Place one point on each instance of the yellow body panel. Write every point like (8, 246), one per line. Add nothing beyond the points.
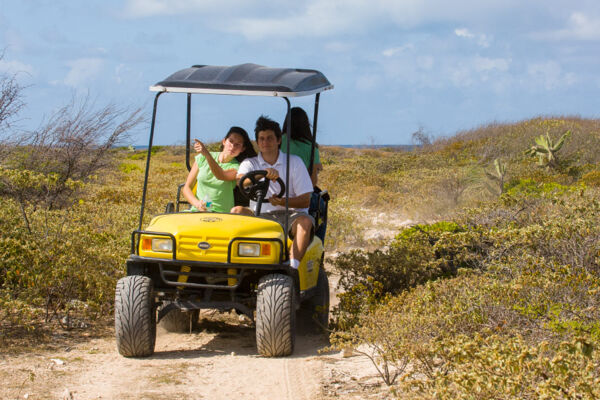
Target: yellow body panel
(217, 230)
(190, 229)
(308, 271)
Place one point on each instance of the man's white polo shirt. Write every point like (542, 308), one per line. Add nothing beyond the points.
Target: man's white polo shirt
(299, 184)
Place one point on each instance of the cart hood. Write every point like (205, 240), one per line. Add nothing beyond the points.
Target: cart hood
(227, 226)
(212, 236)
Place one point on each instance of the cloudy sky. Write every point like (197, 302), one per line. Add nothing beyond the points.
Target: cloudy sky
(397, 65)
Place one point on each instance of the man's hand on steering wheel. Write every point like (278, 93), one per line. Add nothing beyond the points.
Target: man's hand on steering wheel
(256, 186)
(272, 174)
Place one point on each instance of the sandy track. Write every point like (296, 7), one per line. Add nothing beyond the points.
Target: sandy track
(216, 361)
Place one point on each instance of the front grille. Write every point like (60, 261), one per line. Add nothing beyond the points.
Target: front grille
(187, 249)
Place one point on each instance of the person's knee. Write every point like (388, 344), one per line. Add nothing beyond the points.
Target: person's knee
(241, 210)
(303, 226)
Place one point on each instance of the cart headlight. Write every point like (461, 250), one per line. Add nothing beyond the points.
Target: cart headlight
(249, 249)
(159, 244)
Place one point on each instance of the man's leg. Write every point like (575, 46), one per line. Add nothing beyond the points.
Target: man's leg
(301, 230)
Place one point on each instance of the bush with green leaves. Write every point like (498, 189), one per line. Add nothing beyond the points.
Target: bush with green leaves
(418, 254)
(500, 367)
(526, 267)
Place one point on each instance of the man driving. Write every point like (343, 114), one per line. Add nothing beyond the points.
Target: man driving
(271, 159)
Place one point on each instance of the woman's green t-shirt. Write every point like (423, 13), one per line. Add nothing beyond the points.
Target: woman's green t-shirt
(219, 192)
(301, 149)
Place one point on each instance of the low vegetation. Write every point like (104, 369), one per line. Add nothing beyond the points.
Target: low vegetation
(500, 299)
(491, 293)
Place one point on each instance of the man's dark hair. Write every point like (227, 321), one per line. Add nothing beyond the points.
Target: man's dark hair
(264, 123)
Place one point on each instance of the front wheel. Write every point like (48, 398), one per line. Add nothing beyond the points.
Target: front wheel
(135, 316)
(275, 316)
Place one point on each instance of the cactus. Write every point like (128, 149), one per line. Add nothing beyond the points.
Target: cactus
(499, 176)
(546, 151)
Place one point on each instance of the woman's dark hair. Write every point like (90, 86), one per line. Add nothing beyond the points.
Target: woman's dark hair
(300, 125)
(248, 148)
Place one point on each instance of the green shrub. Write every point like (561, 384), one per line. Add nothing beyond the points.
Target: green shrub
(529, 187)
(499, 367)
(418, 254)
(128, 168)
(140, 155)
(434, 229)
(526, 267)
(592, 178)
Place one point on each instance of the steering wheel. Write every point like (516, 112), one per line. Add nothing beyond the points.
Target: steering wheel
(258, 188)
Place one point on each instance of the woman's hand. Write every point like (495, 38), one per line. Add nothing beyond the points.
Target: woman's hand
(200, 205)
(200, 147)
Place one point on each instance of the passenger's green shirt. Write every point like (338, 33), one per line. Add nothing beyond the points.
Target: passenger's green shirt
(218, 191)
(301, 149)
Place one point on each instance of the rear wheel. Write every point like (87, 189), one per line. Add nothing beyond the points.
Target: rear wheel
(135, 316)
(179, 321)
(319, 304)
(275, 316)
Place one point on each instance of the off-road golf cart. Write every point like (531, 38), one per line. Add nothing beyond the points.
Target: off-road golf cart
(183, 262)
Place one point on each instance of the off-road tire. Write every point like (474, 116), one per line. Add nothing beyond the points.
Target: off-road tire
(179, 321)
(135, 316)
(275, 316)
(319, 303)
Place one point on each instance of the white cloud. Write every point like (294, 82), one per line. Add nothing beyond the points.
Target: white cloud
(425, 62)
(257, 19)
(225, 11)
(548, 74)
(485, 64)
(82, 71)
(339, 47)
(15, 67)
(481, 39)
(582, 27)
(368, 82)
(395, 50)
(463, 32)
(14, 41)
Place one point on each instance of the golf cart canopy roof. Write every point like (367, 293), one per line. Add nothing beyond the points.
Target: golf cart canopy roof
(245, 79)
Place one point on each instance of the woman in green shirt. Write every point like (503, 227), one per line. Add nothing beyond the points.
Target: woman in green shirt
(214, 173)
(301, 142)
(301, 145)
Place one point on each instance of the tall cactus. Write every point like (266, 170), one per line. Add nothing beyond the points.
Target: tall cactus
(499, 176)
(546, 151)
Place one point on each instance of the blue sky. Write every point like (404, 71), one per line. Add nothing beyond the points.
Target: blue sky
(397, 65)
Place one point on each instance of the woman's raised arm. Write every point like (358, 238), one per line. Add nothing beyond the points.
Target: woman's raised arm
(218, 172)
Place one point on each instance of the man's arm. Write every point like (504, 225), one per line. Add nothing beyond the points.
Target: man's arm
(302, 201)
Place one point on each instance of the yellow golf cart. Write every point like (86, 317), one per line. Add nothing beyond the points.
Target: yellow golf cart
(186, 261)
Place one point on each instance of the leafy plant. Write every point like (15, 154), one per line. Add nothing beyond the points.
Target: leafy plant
(546, 150)
(498, 177)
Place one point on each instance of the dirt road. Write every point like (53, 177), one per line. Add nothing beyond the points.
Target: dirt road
(218, 360)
